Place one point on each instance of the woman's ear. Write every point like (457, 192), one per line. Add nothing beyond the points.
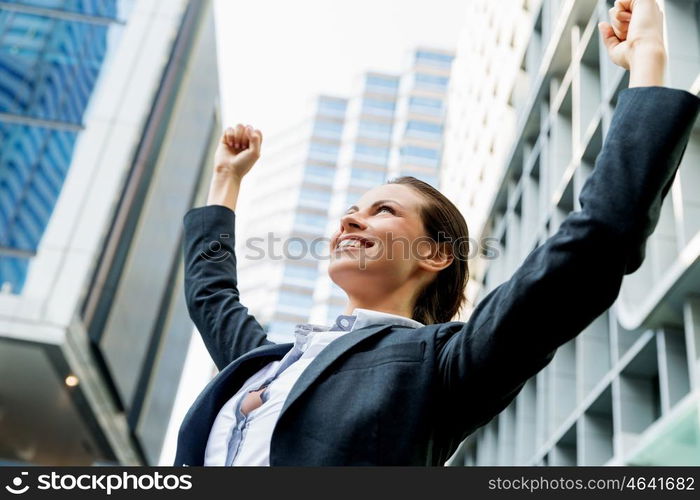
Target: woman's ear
(433, 256)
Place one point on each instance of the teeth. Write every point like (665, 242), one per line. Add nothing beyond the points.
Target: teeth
(350, 243)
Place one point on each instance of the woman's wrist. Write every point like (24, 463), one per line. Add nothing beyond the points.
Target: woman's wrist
(647, 63)
(224, 189)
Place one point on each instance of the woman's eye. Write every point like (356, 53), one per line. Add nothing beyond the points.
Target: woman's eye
(386, 208)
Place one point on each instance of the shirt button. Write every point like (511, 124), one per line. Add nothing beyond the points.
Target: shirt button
(344, 322)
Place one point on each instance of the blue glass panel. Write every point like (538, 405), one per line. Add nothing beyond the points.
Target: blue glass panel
(295, 299)
(33, 164)
(421, 156)
(51, 56)
(311, 220)
(282, 328)
(432, 80)
(372, 176)
(332, 107)
(320, 170)
(109, 9)
(321, 151)
(378, 103)
(371, 154)
(331, 130)
(383, 81)
(418, 126)
(420, 152)
(382, 84)
(300, 272)
(434, 56)
(426, 106)
(378, 107)
(48, 66)
(315, 194)
(426, 101)
(13, 271)
(434, 59)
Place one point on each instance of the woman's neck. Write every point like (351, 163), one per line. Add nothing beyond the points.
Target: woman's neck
(388, 305)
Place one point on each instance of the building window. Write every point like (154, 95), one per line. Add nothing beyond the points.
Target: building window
(437, 81)
(310, 220)
(425, 106)
(382, 84)
(424, 129)
(371, 154)
(295, 299)
(375, 130)
(304, 273)
(378, 107)
(315, 194)
(370, 176)
(280, 327)
(422, 152)
(434, 59)
(328, 129)
(320, 171)
(320, 151)
(332, 107)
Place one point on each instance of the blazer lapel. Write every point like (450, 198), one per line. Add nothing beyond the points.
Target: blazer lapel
(197, 423)
(324, 359)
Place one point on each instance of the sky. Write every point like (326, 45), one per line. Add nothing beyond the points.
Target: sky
(277, 55)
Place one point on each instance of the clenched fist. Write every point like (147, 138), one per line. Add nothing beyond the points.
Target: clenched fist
(238, 151)
(634, 37)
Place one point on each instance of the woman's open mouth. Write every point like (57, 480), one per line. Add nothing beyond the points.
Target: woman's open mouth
(353, 243)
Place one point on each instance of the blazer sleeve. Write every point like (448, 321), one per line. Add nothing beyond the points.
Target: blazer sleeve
(576, 274)
(211, 285)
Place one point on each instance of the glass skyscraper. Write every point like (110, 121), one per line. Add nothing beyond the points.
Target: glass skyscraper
(51, 56)
(108, 118)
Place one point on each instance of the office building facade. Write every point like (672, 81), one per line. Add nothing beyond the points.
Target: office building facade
(394, 127)
(107, 121)
(626, 391)
(283, 215)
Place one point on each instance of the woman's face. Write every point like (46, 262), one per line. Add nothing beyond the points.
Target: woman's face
(379, 240)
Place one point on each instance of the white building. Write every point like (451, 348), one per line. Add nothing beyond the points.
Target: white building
(307, 176)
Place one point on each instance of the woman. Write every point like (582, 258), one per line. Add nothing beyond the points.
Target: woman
(394, 381)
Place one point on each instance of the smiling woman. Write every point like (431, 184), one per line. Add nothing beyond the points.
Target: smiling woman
(407, 262)
(395, 381)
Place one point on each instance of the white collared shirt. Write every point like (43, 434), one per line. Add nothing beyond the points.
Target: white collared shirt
(254, 447)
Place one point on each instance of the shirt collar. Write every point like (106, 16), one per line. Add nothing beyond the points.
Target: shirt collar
(361, 318)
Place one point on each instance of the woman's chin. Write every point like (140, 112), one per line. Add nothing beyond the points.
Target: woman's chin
(344, 267)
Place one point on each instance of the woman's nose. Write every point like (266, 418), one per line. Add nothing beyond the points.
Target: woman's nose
(352, 221)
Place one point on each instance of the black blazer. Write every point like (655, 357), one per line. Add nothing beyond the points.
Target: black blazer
(388, 395)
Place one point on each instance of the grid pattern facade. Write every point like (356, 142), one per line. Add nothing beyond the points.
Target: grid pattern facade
(395, 126)
(287, 212)
(51, 54)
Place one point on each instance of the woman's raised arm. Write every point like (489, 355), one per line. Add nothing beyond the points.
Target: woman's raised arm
(236, 154)
(211, 284)
(576, 274)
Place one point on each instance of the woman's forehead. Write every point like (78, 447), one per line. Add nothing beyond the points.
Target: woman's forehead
(404, 195)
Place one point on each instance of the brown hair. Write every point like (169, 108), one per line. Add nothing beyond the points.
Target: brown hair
(443, 297)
